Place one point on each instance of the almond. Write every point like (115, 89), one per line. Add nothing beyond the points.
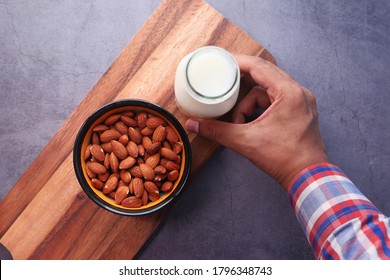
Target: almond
(129, 114)
(132, 202)
(97, 152)
(87, 153)
(147, 131)
(136, 172)
(138, 186)
(132, 149)
(154, 197)
(125, 176)
(154, 122)
(177, 147)
(145, 198)
(173, 175)
(109, 135)
(153, 160)
(141, 120)
(171, 135)
(141, 150)
(159, 178)
(153, 191)
(146, 142)
(97, 183)
(121, 193)
(95, 138)
(100, 128)
(147, 172)
(119, 150)
(121, 127)
(97, 168)
(160, 170)
(127, 163)
(89, 172)
(116, 174)
(107, 147)
(135, 135)
(103, 177)
(168, 154)
(110, 185)
(170, 165)
(167, 186)
(131, 187)
(124, 139)
(114, 162)
(151, 188)
(112, 119)
(154, 148)
(159, 134)
(129, 121)
(106, 162)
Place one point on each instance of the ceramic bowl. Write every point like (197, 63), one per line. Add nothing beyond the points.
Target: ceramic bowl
(83, 139)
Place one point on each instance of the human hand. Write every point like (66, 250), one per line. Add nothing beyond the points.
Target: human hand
(282, 141)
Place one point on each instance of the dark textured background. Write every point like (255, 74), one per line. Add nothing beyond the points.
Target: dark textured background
(53, 52)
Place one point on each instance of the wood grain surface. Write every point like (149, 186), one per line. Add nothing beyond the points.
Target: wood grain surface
(46, 215)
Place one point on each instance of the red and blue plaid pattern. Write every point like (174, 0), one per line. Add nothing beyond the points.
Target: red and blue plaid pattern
(338, 220)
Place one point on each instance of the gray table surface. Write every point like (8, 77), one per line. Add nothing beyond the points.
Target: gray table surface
(53, 52)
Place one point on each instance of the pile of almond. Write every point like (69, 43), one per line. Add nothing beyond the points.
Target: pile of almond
(133, 157)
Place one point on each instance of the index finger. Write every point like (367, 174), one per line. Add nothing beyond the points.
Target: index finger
(266, 74)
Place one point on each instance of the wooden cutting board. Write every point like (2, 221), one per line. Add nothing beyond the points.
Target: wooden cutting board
(46, 215)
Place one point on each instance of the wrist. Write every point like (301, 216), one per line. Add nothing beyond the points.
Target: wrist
(293, 174)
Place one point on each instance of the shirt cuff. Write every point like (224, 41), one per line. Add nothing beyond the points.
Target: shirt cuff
(324, 199)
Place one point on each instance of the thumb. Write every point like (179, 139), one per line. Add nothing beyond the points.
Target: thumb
(224, 133)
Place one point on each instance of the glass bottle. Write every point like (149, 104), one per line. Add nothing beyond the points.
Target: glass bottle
(207, 82)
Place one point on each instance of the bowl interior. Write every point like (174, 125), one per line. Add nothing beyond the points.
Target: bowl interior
(83, 140)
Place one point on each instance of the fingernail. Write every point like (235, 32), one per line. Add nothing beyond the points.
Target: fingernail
(192, 125)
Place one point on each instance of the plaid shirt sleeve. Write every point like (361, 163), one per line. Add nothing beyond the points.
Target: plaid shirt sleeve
(338, 220)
